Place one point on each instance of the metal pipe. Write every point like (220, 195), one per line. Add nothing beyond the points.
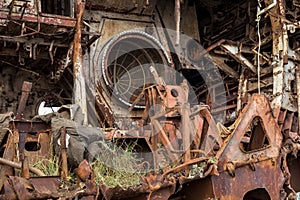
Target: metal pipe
(240, 91)
(298, 93)
(25, 168)
(177, 20)
(267, 8)
(63, 149)
(19, 166)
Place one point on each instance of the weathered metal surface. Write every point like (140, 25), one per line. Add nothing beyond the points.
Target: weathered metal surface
(63, 151)
(255, 156)
(257, 107)
(140, 7)
(33, 140)
(34, 188)
(8, 154)
(153, 187)
(38, 188)
(26, 88)
(79, 88)
(49, 187)
(251, 163)
(247, 179)
(280, 48)
(234, 51)
(44, 19)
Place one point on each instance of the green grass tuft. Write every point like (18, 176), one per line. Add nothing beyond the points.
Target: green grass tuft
(50, 167)
(117, 168)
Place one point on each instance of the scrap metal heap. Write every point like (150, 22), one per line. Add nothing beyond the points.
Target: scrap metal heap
(202, 95)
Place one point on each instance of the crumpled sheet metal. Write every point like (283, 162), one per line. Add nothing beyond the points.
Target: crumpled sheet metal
(34, 188)
(51, 187)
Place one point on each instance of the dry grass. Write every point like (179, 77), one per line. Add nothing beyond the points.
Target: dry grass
(50, 167)
(117, 168)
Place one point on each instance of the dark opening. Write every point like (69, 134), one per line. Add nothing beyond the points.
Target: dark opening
(57, 7)
(255, 137)
(293, 87)
(32, 146)
(294, 168)
(2, 144)
(257, 194)
(174, 93)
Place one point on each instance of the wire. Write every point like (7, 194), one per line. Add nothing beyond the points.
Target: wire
(258, 17)
(20, 68)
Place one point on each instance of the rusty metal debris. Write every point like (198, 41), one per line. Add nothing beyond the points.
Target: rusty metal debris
(198, 99)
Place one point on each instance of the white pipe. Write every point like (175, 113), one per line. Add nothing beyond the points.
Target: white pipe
(177, 21)
(267, 8)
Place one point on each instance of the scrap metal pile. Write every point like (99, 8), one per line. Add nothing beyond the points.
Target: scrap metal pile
(148, 99)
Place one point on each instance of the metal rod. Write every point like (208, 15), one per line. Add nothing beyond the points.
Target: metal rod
(185, 123)
(63, 149)
(267, 8)
(298, 94)
(19, 166)
(177, 20)
(25, 168)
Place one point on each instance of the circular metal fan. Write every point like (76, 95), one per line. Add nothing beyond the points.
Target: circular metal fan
(126, 62)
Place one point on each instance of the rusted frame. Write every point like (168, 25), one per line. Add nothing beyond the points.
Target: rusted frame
(26, 131)
(279, 51)
(23, 39)
(55, 20)
(17, 137)
(203, 113)
(257, 106)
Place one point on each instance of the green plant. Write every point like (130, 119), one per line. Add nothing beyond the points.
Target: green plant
(50, 167)
(117, 167)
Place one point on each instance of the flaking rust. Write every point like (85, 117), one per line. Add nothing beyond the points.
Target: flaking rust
(149, 100)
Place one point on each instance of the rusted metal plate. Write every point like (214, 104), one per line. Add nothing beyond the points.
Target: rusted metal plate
(153, 187)
(267, 174)
(34, 140)
(9, 154)
(43, 188)
(34, 188)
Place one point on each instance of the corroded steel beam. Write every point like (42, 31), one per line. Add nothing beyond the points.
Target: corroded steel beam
(79, 80)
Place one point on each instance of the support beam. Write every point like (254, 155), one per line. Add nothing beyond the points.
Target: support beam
(235, 53)
(298, 94)
(279, 52)
(219, 62)
(79, 90)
